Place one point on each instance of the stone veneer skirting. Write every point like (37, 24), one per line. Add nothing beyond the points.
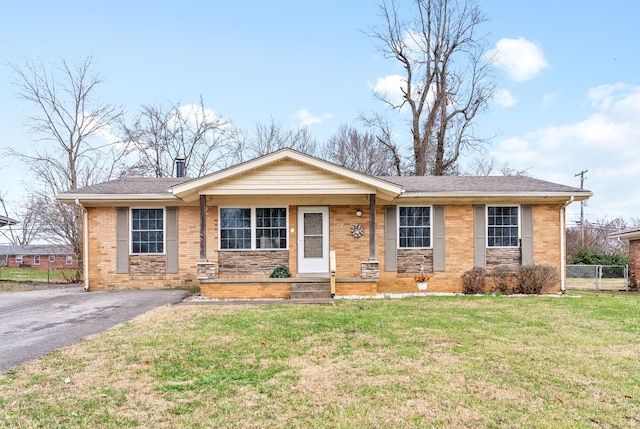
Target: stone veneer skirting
(509, 256)
(147, 265)
(251, 262)
(409, 260)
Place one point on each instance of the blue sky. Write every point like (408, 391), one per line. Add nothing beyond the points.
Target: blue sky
(568, 80)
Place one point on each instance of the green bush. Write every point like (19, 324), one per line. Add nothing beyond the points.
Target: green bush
(280, 272)
(473, 281)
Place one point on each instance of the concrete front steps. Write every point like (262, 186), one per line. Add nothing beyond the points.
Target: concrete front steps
(311, 293)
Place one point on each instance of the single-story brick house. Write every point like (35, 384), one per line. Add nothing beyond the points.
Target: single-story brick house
(227, 231)
(633, 235)
(43, 256)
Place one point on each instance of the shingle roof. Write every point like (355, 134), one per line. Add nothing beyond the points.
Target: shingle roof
(36, 249)
(470, 184)
(474, 184)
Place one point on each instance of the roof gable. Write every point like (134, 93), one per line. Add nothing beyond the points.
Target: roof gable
(286, 172)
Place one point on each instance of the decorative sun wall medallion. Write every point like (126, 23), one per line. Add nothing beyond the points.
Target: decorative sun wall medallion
(357, 230)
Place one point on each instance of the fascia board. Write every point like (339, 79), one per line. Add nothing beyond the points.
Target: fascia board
(71, 198)
(480, 195)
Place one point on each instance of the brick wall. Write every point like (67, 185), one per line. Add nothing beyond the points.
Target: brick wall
(634, 263)
(146, 273)
(350, 251)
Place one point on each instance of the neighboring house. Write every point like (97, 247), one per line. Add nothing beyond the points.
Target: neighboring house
(4, 221)
(43, 256)
(633, 235)
(227, 231)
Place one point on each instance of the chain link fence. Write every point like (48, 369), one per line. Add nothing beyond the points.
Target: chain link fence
(597, 277)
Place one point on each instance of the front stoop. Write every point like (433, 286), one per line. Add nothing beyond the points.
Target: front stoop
(311, 293)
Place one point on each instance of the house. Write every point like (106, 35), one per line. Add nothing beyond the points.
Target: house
(4, 221)
(227, 231)
(42, 256)
(633, 236)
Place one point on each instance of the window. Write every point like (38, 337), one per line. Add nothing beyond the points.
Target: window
(69, 259)
(414, 227)
(249, 228)
(36, 260)
(235, 228)
(147, 231)
(271, 228)
(52, 259)
(19, 259)
(502, 224)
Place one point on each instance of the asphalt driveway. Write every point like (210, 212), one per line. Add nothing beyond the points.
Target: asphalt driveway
(34, 323)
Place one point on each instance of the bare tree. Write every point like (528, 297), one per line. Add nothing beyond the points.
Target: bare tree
(381, 127)
(446, 80)
(160, 134)
(488, 166)
(68, 120)
(272, 136)
(30, 225)
(362, 152)
(593, 241)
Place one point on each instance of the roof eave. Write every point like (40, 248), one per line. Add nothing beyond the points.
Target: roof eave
(73, 198)
(480, 195)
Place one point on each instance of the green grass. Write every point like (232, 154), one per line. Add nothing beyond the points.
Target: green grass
(422, 362)
(35, 275)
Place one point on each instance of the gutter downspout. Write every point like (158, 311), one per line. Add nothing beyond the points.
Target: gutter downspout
(563, 245)
(85, 245)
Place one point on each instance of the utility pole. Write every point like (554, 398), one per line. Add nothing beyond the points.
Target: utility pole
(581, 174)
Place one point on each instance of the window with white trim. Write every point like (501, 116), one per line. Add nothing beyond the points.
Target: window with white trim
(147, 231)
(36, 260)
(52, 258)
(19, 259)
(503, 228)
(253, 228)
(414, 227)
(69, 259)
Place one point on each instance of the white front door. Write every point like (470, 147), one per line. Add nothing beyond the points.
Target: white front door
(313, 240)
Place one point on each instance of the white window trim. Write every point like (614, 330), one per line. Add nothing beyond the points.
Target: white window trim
(36, 259)
(19, 259)
(253, 226)
(430, 225)
(52, 258)
(486, 218)
(164, 229)
(69, 259)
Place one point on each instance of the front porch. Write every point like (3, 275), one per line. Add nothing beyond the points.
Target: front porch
(281, 288)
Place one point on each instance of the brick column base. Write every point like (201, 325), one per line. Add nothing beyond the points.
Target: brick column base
(369, 270)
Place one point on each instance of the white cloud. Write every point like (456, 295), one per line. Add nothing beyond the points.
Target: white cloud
(504, 98)
(605, 143)
(390, 87)
(521, 59)
(305, 118)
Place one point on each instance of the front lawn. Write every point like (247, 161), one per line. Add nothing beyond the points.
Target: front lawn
(411, 363)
